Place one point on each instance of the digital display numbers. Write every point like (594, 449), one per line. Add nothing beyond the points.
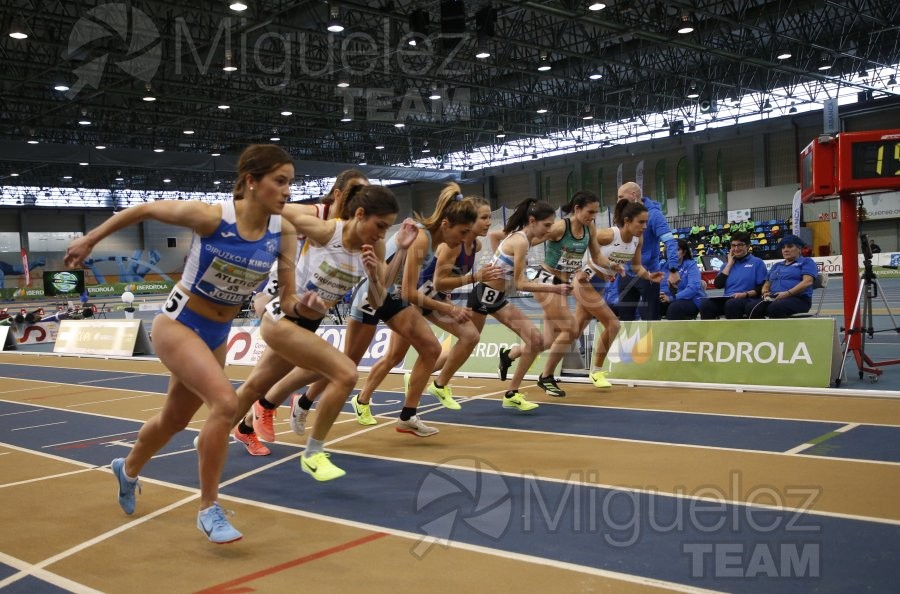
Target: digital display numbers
(868, 161)
(876, 159)
(850, 162)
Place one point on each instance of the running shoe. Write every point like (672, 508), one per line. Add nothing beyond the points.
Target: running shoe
(363, 412)
(548, 385)
(251, 442)
(126, 487)
(320, 467)
(505, 363)
(444, 395)
(598, 378)
(215, 525)
(416, 427)
(264, 421)
(518, 400)
(298, 415)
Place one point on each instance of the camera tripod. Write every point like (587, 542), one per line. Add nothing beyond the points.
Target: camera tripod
(868, 290)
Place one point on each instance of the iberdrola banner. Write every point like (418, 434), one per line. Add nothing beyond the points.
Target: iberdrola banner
(792, 352)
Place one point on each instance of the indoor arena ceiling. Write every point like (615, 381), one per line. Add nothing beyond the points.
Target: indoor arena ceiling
(115, 56)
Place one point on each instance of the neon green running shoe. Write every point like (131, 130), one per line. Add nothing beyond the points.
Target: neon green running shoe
(320, 467)
(518, 400)
(444, 396)
(363, 412)
(598, 378)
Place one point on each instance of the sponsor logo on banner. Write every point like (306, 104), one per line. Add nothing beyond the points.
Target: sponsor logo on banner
(754, 352)
(485, 357)
(245, 345)
(41, 333)
(98, 337)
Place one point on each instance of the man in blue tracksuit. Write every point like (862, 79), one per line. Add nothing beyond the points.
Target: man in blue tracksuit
(637, 295)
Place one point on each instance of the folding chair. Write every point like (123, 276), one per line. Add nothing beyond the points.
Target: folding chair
(820, 284)
(99, 312)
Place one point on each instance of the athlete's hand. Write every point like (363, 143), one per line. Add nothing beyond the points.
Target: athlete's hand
(370, 261)
(407, 233)
(78, 250)
(563, 289)
(489, 273)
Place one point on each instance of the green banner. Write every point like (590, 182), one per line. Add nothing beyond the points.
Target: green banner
(701, 181)
(748, 352)
(720, 182)
(486, 356)
(108, 290)
(681, 179)
(659, 177)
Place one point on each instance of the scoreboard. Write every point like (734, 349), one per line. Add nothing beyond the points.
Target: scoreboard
(850, 162)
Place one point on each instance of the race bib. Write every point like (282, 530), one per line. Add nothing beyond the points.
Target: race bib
(175, 302)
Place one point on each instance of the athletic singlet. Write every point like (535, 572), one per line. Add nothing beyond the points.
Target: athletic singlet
(224, 267)
(272, 283)
(618, 251)
(465, 263)
(331, 270)
(506, 262)
(390, 248)
(567, 253)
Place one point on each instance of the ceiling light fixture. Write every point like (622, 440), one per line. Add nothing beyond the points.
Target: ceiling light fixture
(223, 107)
(83, 163)
(542, 110)
(892, 80)
(587, 115)
(287, 113)
(148, 95)
(343, 83)
(544, 64)
(685, 24)
(188, 131)
(334, 20)
(60, 85)
(379, 147)
(215, 154)
(595, 74)
(784, 54)
(347, 117)
(100, 147)
(229, 65)
(693, 93)
(166, 180)
(399, 125)
(793, 108)
(435, 93)
(159, 150)
(238, 6)
(501, 133)
(595, 6)
(274, 138)
(17, 31)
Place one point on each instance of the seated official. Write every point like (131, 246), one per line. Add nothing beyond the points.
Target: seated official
(682, 302)
(789, 286)
(741, 278)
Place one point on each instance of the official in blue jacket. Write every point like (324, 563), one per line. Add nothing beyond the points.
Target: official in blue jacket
(637, 295)
(682, 301)
(789, 286)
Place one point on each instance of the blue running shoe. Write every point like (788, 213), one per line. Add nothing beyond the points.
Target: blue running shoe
(126, 487)
(215, 525)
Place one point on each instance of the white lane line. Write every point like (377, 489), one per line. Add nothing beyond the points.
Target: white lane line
(818, 440)
(39, 426)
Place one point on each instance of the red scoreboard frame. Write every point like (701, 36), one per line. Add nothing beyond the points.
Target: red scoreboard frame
(850, 162)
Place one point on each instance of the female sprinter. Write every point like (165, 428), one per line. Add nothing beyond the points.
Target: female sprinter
(528, 225)
(336, 256)
(331, 206)
(569, 239)
(233, 247)
(450, 222)
(619, 245)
